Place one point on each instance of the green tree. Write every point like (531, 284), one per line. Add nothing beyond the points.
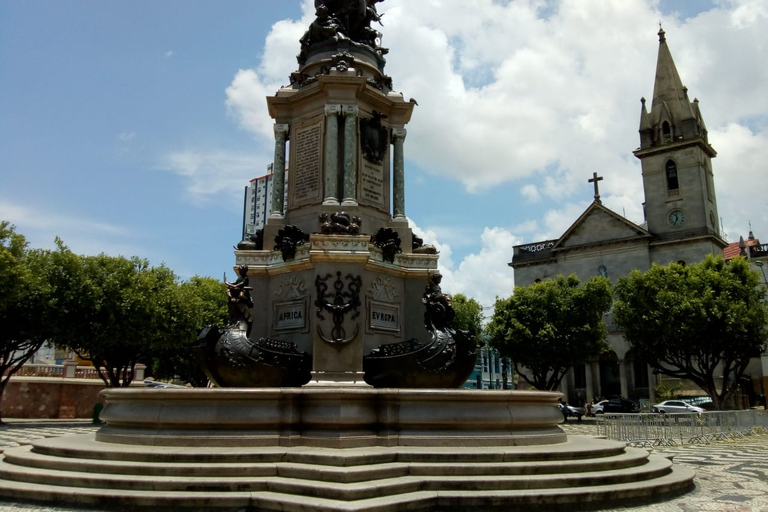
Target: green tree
(113, 311)
(203, 301)
(24, 303)
(549, 326)
(701, 322)
(469, 315)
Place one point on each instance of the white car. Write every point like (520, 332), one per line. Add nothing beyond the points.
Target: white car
(675, 406)
(598, 407)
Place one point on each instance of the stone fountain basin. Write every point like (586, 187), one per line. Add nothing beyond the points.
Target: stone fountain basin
(331, 417)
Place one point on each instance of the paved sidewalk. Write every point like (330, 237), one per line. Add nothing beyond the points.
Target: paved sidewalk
(21, 432)
(731, 476)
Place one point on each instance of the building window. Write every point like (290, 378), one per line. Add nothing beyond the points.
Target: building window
(673, 185)
(602, 271)
(666, 132)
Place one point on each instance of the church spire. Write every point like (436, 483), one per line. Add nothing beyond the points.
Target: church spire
(673, 117)
(668, 89)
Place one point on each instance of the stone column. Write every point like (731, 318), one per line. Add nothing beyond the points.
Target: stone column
(398, 174)
(332, 154)
(623, 378)
(350, 155)
(651, 384)
(70, 369)
(590, 384)
(278, 168)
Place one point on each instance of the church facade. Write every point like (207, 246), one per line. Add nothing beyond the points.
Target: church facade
(681, 225)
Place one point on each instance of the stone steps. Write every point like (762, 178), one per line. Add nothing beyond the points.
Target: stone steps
(675, 482)
(80, 470)
(362, 470)
(318, 486)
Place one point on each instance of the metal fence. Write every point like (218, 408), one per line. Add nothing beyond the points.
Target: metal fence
(71, 370)
(651, 430)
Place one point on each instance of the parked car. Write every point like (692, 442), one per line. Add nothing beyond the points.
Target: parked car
(620, 405)
(598, 407)
(568, 411)
(149, 383)
(676, 406)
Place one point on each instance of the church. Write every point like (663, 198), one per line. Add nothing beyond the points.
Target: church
(681, 225)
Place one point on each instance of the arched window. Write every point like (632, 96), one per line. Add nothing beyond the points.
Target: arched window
(666, 132)
(671, 170)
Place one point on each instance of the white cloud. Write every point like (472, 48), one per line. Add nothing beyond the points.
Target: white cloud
(740, 181)
(485, 275)
(507, 89)
(531, 193)
(482, 276)
(82, 235)
(126, 136)
(169, 54)
(548, 92)
(209, 175)
(245, 101)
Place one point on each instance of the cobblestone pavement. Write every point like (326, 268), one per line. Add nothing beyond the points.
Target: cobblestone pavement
(731, 476)
(16, 433)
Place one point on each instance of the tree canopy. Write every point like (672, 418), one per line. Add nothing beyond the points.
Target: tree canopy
(203, 301)
(549, 326)
(24, 303)
(701, 322)
(469, 315)
(113, 311)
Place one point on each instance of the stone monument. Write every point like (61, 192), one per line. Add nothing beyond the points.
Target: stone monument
(335, 368)
(340, 284)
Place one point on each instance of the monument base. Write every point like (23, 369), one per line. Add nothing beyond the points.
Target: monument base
(334, 449)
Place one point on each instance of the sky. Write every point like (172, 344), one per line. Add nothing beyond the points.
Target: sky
(132, 128)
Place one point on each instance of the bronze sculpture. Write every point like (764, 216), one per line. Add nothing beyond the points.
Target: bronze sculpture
(343, 19)
(239, 300)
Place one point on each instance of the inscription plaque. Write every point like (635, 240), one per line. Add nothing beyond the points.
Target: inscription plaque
(372, 185)
(306, 165)
(383, 316)
(291, 315)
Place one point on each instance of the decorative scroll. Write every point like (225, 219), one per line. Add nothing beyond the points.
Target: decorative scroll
(538, 247)
(341, 302)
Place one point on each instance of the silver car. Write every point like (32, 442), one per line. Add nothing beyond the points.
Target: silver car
(675, 406)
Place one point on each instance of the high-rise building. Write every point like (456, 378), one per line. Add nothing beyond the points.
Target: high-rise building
(257, 202)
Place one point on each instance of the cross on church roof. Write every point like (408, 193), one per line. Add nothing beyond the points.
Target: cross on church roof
(595, 179)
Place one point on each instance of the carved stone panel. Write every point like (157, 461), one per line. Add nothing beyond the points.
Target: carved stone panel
(382, 289)
(290, 316)
(373, 185)
(290, 306)
(306, 165)
(291, 288)
(383, 317)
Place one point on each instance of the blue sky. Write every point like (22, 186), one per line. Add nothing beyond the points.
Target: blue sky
(132, 127)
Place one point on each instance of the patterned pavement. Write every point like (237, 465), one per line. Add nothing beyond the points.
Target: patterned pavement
(731, 476)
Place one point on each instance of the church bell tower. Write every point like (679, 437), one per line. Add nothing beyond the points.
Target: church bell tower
(676, 159)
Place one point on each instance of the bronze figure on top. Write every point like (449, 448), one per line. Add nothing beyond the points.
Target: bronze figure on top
(343, 19)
